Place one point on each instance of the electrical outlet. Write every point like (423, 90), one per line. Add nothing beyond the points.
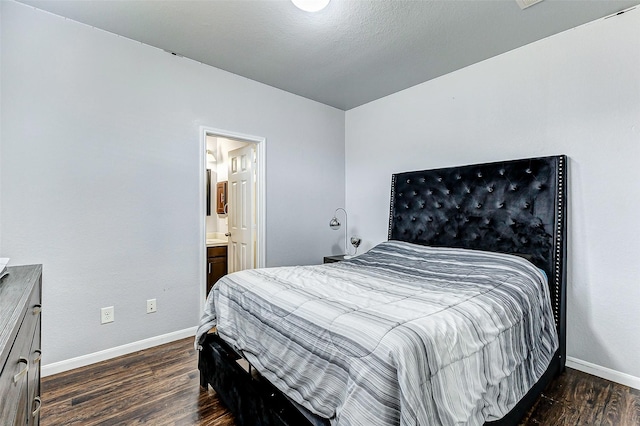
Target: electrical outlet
(107, 315)
(151, 306)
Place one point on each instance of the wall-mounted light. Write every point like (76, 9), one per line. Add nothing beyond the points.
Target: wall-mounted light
(335, 224)
(311, 5)
(211, 157)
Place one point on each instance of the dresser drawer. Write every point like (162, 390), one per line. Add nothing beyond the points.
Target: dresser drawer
(33, 385)
(32, 316)
(13, 380)
(20, 307)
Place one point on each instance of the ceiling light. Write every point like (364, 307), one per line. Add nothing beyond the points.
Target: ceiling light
(311, 5)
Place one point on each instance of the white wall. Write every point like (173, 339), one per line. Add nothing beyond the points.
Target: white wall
(577, 93)
(100, 159)
(1, 38)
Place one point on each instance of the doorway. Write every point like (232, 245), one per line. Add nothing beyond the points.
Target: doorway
(233, 193)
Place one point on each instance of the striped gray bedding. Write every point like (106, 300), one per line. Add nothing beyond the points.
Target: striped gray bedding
(403, 334)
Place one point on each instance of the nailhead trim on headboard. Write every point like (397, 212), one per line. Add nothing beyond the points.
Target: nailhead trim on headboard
(393, 197)
(559, 241)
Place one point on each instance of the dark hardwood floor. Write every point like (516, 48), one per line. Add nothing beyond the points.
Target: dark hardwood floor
(157, 386)
(160, 386)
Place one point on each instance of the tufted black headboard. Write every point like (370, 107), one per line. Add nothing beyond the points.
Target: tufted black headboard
(513, 206)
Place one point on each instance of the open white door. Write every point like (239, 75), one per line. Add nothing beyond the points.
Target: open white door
(241, 208)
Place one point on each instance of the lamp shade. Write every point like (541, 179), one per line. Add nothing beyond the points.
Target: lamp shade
(334, 224)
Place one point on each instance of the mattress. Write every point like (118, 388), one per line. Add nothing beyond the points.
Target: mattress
(404, 334)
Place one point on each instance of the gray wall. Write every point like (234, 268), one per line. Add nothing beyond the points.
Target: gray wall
(100, 175)
(1, 102)
(576, 93)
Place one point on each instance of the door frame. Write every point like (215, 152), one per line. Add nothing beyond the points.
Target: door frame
(261, 211)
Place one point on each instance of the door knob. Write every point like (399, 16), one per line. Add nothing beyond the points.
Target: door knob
(228, 234)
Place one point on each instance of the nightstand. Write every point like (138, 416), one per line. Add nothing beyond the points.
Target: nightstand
(335, 258)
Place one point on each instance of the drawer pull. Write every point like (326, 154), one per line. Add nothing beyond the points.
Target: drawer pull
(39, 357)
(23, 371)
(38, 402)
(37, 309)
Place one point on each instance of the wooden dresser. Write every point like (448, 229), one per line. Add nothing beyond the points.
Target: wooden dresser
(20, 307)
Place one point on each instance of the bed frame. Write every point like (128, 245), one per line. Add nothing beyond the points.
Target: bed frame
(515, 206)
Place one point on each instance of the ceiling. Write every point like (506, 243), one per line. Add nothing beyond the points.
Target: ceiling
(351, 53)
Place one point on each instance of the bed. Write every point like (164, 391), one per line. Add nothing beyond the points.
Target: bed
(459, 318)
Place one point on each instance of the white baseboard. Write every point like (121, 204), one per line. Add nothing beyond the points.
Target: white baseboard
(81, 361)
(604, 372)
